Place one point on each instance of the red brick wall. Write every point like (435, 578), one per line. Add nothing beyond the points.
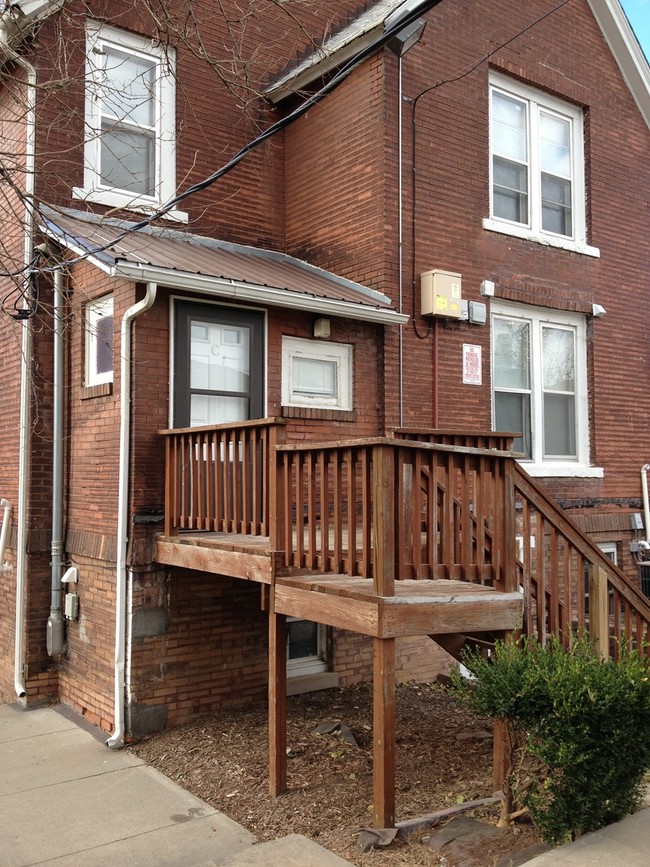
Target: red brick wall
(417, 658)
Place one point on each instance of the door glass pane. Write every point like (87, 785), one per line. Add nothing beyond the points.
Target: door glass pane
(217, 409)
(511, 354)
(220, 357)
(559, 362)
(559, 426)
(512, 413)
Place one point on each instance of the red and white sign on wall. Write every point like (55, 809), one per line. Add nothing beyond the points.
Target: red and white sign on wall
(472, 364)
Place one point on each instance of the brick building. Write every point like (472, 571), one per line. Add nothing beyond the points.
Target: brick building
(503, 155)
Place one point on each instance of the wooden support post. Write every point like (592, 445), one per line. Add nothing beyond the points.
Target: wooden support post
(599, 610)
(277, 699)
(383, 694)
(501, 754)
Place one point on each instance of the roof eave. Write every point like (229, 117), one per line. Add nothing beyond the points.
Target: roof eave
(626, 50)
(17, 21)
(268, 296)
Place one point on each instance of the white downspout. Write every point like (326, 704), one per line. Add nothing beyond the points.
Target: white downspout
(5, 505)
(646, 502)
(116, 740)
(25, 378)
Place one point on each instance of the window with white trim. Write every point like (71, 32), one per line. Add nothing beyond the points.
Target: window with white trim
(306, 647)
(537, 175)
(130, 121)
(316, 373)
(539, 385)
(99, 341)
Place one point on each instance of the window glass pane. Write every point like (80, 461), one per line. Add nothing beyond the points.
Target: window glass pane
(128, 88)
(558, 359)
(512, 413)
(314, 376)
(509, 124)
(559, 426)
(510, 193)
(511, 354)
(104, 344)
(217, 409)
(556, 205)
(302, 639)
(555, 145)
(220, 357)
(127, 160)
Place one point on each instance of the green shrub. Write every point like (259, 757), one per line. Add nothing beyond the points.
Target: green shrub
(583, 723)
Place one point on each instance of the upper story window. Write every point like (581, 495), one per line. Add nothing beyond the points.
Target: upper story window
(539, 385)
(99, 341)
(537, 176)
(316, 374)
(130, 122)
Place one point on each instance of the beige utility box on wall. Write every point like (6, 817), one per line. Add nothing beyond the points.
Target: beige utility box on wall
(441, 293)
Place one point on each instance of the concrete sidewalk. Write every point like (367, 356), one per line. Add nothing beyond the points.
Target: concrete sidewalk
(66, 800)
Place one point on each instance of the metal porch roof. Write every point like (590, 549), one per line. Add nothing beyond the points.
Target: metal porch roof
(193, 262)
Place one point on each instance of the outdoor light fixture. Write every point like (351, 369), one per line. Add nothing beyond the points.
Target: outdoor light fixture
(407, 38)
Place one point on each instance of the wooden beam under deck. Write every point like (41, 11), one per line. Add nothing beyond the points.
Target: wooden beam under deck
(247, 557)
(419, 607)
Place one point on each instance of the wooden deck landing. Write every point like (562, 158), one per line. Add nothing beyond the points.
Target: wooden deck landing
(419, 607)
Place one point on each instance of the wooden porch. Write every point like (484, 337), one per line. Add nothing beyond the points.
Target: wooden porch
(436, 533)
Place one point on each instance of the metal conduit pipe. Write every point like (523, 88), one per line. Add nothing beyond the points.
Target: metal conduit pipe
(5, 505)
(55, 637)
(116, 740)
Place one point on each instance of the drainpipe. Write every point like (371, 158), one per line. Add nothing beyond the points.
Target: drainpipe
(646, 503)
(25, 376)
(5, 505)
(116, 740)
(55, 624)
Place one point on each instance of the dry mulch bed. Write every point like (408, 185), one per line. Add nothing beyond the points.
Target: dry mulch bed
(443, 757)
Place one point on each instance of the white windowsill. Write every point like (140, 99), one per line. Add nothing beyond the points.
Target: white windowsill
(562, 470)
(127, 202)
(547, 240)
(311, 682)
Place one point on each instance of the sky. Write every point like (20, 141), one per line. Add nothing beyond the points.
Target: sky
(638, 13)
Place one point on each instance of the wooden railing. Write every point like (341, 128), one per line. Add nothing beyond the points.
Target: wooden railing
(569, 584)
(218, 477)
(418, 504)
(391, 507)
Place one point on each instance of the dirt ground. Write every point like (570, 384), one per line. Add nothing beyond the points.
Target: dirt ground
(443, 758)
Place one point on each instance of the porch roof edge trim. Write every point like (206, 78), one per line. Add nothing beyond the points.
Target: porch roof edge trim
(273, 297)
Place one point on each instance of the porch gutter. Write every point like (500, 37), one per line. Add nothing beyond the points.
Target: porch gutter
(225, 288)
(116, 740)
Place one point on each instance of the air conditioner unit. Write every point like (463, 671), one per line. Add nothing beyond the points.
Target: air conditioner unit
(441, 293)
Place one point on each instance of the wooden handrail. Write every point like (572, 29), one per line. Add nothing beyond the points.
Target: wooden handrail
(556, 563)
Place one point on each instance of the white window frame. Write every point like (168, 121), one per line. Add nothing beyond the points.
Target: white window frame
(537, 317)
(95, 310)
(537, 102)
(318, 350)
(99, 36)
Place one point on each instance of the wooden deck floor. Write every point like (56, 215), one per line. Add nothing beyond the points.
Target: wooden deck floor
(418, 606)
